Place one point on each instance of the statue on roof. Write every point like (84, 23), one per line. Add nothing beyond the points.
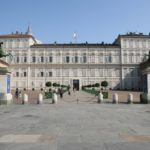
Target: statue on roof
(2, 54)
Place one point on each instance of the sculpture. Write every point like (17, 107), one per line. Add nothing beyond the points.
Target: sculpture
(2, 54)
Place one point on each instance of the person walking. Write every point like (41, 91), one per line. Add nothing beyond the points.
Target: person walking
(17, 93)
(61, 93)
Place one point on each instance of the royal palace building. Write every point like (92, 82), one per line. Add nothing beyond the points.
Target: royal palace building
(75, 64)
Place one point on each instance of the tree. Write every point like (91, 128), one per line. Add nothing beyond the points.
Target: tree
(48, 84)
(104, 84)
(54, 84)
(97, 85)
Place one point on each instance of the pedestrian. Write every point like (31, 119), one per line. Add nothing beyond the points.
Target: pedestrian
(61, 93)
(69, 93)
(20, 95)
(17, 93)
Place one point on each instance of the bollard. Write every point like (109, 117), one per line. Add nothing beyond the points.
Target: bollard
(55, 98)
(6, 98)
(130, 98)
(25, 99)
(115, 98)
(100, 97)
(40, 99)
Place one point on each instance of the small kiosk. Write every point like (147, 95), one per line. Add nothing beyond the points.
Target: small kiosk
(145, 69)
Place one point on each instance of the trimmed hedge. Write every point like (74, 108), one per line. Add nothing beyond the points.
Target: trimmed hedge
(48, 95)
(105, 94)
(95, 92)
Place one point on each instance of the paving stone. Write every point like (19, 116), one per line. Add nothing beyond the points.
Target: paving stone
(69, 125)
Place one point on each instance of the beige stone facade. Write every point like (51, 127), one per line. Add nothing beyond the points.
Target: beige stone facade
(34, 64)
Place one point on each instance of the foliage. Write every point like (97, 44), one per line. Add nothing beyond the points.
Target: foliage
(105, 94)
(95, 92)
(91, 85)
(104, 84)
(48, 84)
(97, 84)
(48, 95)
(54, 84)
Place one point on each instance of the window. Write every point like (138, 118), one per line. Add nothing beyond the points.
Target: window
(101, 58)
(17, 59)
(25, 59)
(125, 58)
(92, 58)
(50, 74)
(51, 59)
(110, 59)
(84, 59)
(67, 59)
(42, 59)
(33, 59)
(42, 74)
(132, 58)
(76, 59)
(17, 74)
(25, 74)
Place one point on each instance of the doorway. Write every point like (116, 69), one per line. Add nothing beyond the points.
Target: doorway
(76, 84)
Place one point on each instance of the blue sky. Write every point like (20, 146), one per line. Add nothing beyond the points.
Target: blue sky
(93, 20)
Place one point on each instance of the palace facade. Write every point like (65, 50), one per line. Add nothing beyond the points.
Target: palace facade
(75, 64)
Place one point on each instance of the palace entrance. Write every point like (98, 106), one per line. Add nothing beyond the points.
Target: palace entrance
(76, 84)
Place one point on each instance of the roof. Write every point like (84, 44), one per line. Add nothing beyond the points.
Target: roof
(17, 35)
(77, 45)
(131, 35)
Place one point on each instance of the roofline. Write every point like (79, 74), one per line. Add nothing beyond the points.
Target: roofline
(77, 45)
(130, 35)
(18, 36)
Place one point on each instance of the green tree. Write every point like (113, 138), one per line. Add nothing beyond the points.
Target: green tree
(48, 84)
(97, 84)
(104, 84)
(54, 84)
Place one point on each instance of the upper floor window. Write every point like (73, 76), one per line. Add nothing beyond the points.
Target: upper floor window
(50, 74)
(84, 59)
(17, 74)
(17, 59)
(42, 59)
(76, 59)
(108, 59)
(25, 74)
(42, 74)
(25, 59)
(67, 59)
(50, 59)
(34, 59)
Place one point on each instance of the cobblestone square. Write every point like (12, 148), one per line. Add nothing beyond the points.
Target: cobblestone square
(69, 125)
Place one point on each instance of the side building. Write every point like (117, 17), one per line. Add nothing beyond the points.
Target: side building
(34, 64)
(134, 50)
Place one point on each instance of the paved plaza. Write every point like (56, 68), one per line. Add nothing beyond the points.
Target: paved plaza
(77, 122)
